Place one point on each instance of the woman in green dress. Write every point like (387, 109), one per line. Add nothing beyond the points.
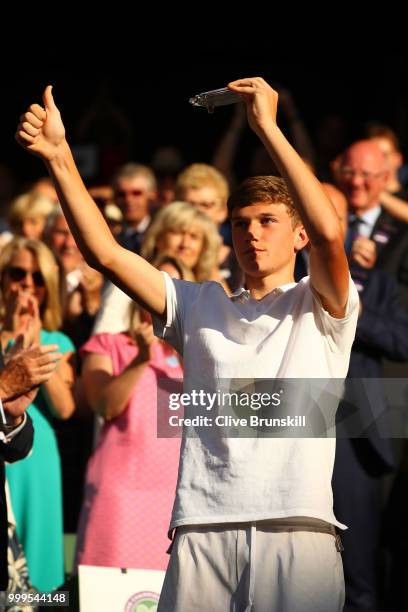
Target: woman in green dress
(30, 293)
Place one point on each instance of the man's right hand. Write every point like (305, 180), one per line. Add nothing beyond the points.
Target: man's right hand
(363, 252)
(27, 368)
(261, 102)
(41, 130)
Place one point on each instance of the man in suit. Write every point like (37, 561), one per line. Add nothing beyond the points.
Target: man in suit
(361, 462)
(20, 376)
(362, 175)
(134, 189)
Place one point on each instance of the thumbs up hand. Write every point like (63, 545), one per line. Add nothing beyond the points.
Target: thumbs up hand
(41, 130)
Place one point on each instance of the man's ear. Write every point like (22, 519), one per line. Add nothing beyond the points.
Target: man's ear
(152, 195)
(399, 159)
(386, 178)
(301, 238)
(222, 214)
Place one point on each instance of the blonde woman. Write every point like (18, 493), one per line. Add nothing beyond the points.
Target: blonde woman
(183, 231)
(29, 293)
(178, 230)
(28, 215)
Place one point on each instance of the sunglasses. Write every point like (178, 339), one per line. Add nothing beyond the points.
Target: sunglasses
(131, 192)
(17, 274)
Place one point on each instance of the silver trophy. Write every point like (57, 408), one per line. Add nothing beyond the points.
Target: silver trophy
(216, 97)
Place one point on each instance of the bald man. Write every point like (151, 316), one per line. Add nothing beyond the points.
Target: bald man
(362, 175)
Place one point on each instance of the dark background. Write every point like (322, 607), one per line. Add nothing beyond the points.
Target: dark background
(151, 85)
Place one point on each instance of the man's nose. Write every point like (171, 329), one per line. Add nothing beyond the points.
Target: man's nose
(69, 241)
(253, 229)
(356, 180)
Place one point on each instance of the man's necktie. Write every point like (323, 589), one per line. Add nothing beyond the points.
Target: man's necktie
(353, 232)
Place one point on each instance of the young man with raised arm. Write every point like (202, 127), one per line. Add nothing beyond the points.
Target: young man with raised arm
(254, 516)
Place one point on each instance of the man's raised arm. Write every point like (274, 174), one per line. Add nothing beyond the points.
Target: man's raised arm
(329, 271)
(42, 133)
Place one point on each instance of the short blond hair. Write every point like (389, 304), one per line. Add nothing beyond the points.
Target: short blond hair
(29, 206)
(198, 176)
(51, 312)
(176, 217)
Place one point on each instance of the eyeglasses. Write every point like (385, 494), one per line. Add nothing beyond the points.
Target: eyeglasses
(18, 274)
(130, 192)
(206, 205)
(349, 173)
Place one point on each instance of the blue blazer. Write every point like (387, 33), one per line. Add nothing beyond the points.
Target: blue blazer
(382, 333)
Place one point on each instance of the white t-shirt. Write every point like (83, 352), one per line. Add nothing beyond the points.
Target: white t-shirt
(287, 334)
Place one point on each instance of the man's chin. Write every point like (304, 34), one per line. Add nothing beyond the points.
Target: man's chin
(133, 218)
(256, 271)
(358, 203)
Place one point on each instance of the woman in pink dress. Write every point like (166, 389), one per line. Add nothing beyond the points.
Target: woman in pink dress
(131, 476)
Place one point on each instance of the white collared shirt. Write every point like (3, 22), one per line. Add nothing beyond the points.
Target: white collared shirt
(368, 220)
(140, 229)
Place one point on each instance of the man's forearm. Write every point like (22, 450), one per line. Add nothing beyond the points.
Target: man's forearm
(88, 226)
(314, 206)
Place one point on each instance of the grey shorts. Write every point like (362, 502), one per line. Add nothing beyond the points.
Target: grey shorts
(270, 566)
